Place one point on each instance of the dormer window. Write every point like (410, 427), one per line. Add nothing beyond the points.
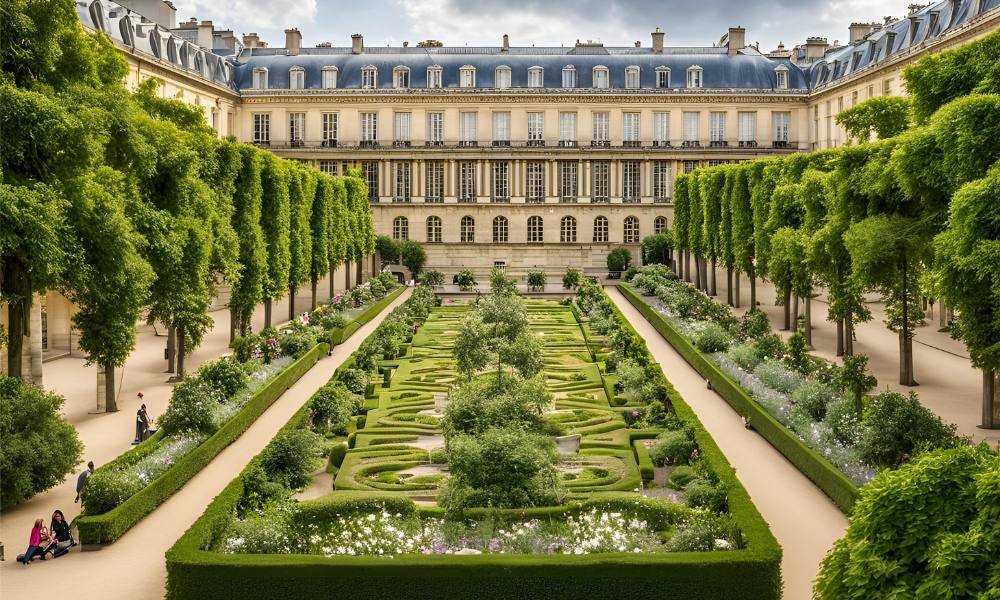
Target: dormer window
(434, 76)
(781, 77)
(632, 77)
(260, 78)
(503, 77)
(369, 77)
(401, 78)
(569, 76)
(695, 77)
(329, 77)
(535, 77)
(467, 76)
(662, 77)
(601, 77)
(296, 78)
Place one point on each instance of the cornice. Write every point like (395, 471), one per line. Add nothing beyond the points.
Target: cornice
(728, 97)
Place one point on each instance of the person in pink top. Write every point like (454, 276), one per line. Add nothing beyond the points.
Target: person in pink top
(39, 536)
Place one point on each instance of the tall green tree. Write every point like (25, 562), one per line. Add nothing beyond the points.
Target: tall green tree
(696, 230)
(319, 223)
(711, 188)
(880, 117)
(338, 229)
(276, 225)
(682, 213)
(248, 292)
(300, 236)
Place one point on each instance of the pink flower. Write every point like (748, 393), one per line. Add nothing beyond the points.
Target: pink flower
(635, 413)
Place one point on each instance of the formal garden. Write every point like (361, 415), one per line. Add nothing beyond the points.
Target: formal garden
(508, 443)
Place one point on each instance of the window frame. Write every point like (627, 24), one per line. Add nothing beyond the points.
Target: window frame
(536, 230)
(660, 72)
(262, 128)
(695, 77)
(433, 229)
(569, 71)
(536, 77)
(595, 80)
(630, 230)
(633, 77)
(502, 77)
(501, 230)
(399, 72)
(601, 229)
(296, 78)
(781, 77)
(435, 77)
(369, 77)
(260, 75)
(660, 225)
(467, 230)
(567, 230)
(326, 73)
(467, 76)
(402, 181)
(401, 228)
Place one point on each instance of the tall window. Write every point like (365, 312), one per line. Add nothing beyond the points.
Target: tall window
(467, 76)
(602, 129)
(567, 129)
(401, 181)
(781, 121)
(434, 76)
(401, 78)
(600, 229)
(296, 128)
(781, 77)
(692, 125)
(467, 230)
(296, 78)
(369, 127)
(370, 171)
(632, 78)
(328, 78)
(567, 230)
(536, 181)
(434, 230)
(659, 225)
(401, 131)
(535, 77)
(695, 77)
(630, 129)
(601, 184)
(435, 181)
(331, 121)
(467, 127)
(262, 128)
(600, 77)
(503, 77)
(328, 166)
(569, 76)
(748, 127)
(501, 181)
(690, 165)
(718, 128)
(568, 180)
(260, 79)
(661, 128)
(435, 127)
(467, 181)
(631, 231)
(501, 128)
(663, 180)
(631, 180)
(400, 228)
(536, 128)
(369, 77)
(501, 230)
(536, 232)
(662, 77)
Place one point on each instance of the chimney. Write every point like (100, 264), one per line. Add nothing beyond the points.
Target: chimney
(737, 40)
(638, 44)
(205, 30)
(357, 43)
(657, 41)
(506, 44)
(406, 44)
(293, 41)
(251, 40)
(816, 48)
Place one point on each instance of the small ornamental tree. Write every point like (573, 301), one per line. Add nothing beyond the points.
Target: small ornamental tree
(619, 260)
(657, 248)
(388, 250)
(413, 256)
(881, 117)
(536, 280)
(300, 236)
(855, 379)
(571, 278)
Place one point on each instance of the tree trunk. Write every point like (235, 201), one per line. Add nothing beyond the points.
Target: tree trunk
(171, 348)
(753, 287)
(991, 418)
(905, 339)
(809, 324)
(181, 351)
(729, 286)
(687, 266)
(110, 405)
(16, 325)
(840, 337)
(942, 314)
(333, 273)
(291, 302)
(795, 313)
(736, 289)
(267, 313)
(697, 273)
(312, 305)
(360, 276)
(713, 291)
(848, 336)
(704, 275)
(788, 310)
(232, 326)
(347, 275)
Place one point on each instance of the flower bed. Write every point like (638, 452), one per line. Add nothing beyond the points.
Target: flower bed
(383, 503)
(207, 413)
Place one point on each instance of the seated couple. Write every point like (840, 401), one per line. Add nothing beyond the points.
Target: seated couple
(50, 542)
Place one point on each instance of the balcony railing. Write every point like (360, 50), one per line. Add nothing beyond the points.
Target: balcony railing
(369, 144)
(468, 144)
(401, 144)
(296, 143)
(718, 144)
(600, 143)
(506, 144)
(567, 143)
(690, 144)
(328, 144)
(433, 143)
(536, 143)
(748, 144)
(631, 144)
(782, 145)
(501, 143)
(661, 144)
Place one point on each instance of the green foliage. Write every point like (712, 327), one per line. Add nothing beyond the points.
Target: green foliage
(276, 225)
(291, 458)
(713, 338)
(193, 408)
(332, 407)
(811, 399)
(930, 529)
(249, 290)
(681, 476)
(855, 379)
(225, 375)
(706, 494)
(319, 219)
(940, 77)
(355, 380)
(388, 250)
(656, 248)
(495, 335)
(571, 278)
(777, 376)
(882, 116)
(895, 426)
(797, 356)
(484, 403)
(536, 280)
(413, 256)
(619, 259)
(673, 448)
(754, 325)
(432, 278)
(465, 280)
(39, 447)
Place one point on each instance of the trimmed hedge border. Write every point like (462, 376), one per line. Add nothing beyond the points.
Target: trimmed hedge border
(750, 573)
(339, 334)
(820, 471)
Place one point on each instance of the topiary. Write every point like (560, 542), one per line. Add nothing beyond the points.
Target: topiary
(355, 380)
(225, 375)
(701, 493)
(571, 279)
(681, 476)
(672, 448)
(619, 259)
(332, 407)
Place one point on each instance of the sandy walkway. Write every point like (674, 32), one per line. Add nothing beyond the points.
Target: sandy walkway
(803, 519)
(134, 566)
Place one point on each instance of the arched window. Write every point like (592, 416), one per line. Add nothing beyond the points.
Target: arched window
(467, 76)
(401, 78)
(660, 225)
(434, 229)
(601, 78)
(632, 77)
(600, 229)
(536, 231)
(296, 78)
(400, 228)
(631, 231)
(467, 230)
(695, 77)
(536, 76)
(781, 77)
(369, 77)
(567, 229)
(501, 228)
(502, 77)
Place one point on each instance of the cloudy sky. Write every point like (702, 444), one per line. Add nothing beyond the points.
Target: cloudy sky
(540, 22)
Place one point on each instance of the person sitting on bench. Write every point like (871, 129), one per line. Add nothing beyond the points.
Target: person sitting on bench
(60, 539)
(38, 539)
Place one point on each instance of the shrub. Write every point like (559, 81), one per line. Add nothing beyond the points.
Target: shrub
(744, 355)
(777, 376)
(619, 259)
(811, 399)
(672, 448)
(194, 407)
(108, 488)
(704, 533)
(769, 346)
(439, 456)
(413, 256)
(681, 476)
(245, 346)
(38, 446)
(332, 407)
(571, 278)
(291, 458)
(896, 425)
(754, 325)
(224, 375)
(432, 278)
(701, 493)
(376, 288)
(631, 378)
(536, 280)
(797, 358)
(484, 403)
(355, 380)
(842, 420)
(465, 280)
(712, 338)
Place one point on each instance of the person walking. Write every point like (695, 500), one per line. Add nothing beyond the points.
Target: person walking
(39, 535)
(81, 481)
(141, 423)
